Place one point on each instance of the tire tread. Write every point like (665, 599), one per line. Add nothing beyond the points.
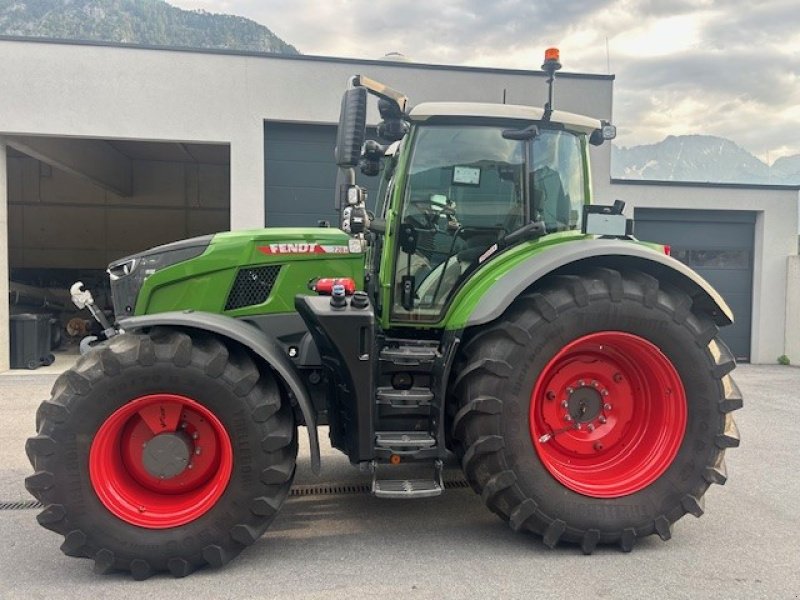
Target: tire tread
(483, 364)
(208, 356)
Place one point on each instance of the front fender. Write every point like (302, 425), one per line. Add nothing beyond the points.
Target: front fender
(250, 337)
(496, 296)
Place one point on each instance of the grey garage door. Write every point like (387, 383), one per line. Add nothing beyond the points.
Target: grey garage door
(719, 246)
(300, 175)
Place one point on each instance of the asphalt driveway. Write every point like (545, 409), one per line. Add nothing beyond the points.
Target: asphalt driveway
(355, 546)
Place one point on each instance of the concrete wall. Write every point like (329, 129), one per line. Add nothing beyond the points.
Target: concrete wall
(58, 220)
(127, 93)
(775, 239)
(793, 309)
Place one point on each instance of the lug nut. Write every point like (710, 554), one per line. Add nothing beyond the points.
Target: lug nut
(602, 419)
(594, 384)
(197, 451)
(606, 406)
(565, 404)
(567, 418)
(604, 393)
(580, 383)
(195, 435)
(590, 427)
(570, 391)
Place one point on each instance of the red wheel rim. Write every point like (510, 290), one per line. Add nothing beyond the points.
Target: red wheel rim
(124, 480)
(608, 414)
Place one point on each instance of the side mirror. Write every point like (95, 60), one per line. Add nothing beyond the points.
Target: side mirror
(352, 127)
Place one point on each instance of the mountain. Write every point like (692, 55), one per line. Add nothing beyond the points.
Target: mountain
(150, 22)
(700, 158)
(787, 167)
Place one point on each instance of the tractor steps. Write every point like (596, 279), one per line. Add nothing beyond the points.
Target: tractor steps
(410, 398)
(409, 354)
(407, 489)
(402, 441)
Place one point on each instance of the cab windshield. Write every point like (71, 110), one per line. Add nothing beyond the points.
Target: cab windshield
(467, 187)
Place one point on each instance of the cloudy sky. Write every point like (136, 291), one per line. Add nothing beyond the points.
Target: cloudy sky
(722, 67)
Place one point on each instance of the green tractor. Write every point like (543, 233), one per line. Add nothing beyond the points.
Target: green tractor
(484, 309)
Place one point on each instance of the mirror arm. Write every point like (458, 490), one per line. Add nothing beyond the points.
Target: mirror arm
(382, 91)
(378, 226)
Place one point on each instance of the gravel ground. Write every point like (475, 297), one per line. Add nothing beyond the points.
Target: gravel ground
(746, 546)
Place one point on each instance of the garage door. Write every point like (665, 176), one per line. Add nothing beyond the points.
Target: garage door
(300, 175)
(719, 246)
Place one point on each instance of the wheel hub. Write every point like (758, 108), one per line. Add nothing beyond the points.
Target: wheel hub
(584, 404)
(167, 454)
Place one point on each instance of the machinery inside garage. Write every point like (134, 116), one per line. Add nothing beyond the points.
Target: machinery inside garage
(74, 205)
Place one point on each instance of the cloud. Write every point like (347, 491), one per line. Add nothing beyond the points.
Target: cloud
(724, 67)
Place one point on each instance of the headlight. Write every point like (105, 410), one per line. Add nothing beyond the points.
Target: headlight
(129, 274)
(122, 268)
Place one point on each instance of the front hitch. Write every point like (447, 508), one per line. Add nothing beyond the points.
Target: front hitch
(82, 298)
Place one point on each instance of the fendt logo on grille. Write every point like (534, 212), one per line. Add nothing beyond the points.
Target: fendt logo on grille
(302, 248)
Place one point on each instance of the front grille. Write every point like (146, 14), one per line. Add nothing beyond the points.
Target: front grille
(252, 286)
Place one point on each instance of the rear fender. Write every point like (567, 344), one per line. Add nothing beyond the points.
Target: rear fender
(598, 253)
(255, 340)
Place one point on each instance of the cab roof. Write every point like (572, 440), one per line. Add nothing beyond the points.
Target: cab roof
(428, 110)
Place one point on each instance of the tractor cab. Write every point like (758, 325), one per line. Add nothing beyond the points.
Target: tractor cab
(460, 182)
(475, 175)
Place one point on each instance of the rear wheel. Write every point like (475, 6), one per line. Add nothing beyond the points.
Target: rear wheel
(162, 452)
(596, 410)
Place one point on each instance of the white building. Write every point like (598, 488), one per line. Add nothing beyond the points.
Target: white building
(108, 149)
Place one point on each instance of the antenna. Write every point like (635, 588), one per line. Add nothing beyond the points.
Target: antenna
(608, 58)
(504, 95)
(550, 66)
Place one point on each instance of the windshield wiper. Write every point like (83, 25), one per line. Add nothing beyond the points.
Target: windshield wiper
(531, 231)
(530, 132)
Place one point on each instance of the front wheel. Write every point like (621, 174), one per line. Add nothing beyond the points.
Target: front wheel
(596, 410)
(164, 451)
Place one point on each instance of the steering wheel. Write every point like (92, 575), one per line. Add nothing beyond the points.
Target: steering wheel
(431, 211)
